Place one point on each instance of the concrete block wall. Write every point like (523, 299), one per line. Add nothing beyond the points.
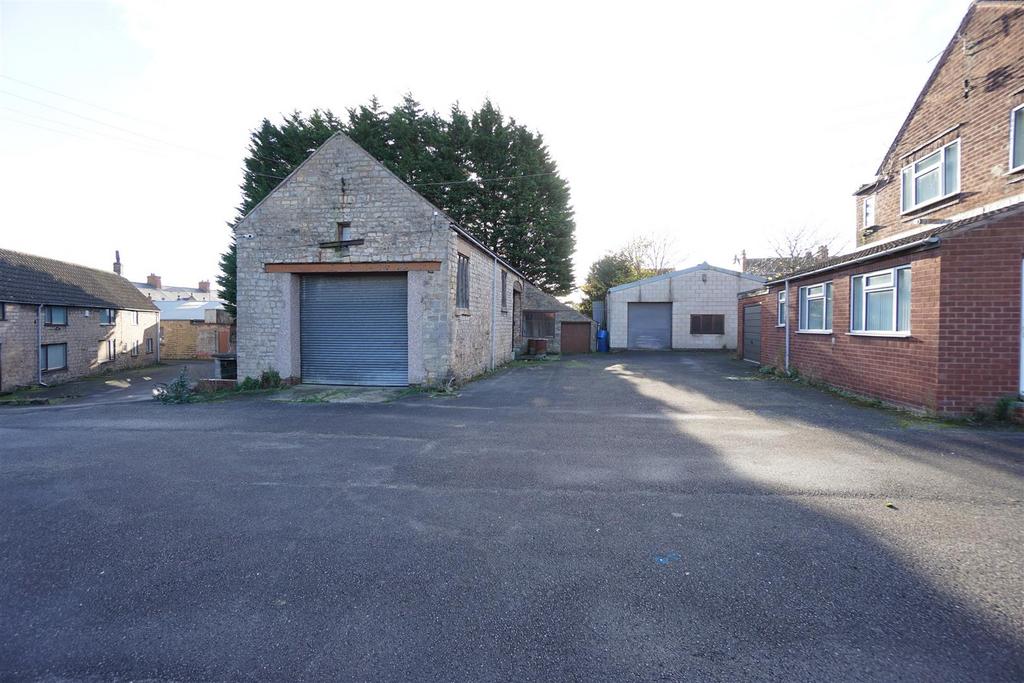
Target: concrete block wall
(988, 48)
(697, 291)
(187, 339)
(86, 341)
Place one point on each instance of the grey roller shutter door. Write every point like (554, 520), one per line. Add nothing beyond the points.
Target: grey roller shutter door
(354, 329)
(752, 333)
(650, 325)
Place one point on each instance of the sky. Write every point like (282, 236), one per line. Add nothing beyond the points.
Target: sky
(722, 126)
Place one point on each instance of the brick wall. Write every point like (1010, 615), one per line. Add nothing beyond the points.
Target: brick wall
(86, 341)
(981, 316)
(987, 56)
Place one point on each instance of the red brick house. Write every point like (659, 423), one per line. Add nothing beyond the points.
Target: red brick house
(927, 310)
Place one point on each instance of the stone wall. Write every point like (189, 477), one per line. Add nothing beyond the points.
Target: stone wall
(86, 340)
(341, 182)
(188, 339)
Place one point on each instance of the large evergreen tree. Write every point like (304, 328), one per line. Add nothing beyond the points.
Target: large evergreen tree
(493, 176)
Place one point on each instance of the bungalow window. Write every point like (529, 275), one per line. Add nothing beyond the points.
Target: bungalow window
(1017, 139)
(880, 302)
(539, 324)
(935, 177)
(707, 324)
(780, 310)
(55, 315)
(815, 314)
(53, 357)
(108, 316)
(462, 283)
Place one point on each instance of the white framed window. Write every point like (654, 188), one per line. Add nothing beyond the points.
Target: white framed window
(869, 211)
(149, 345)
(108, 316)
(780, 310)
(135, 317)
(1017, 139)
(135, 348)
(931, 179)
(111, 351)
(880, 302)
(815, 314)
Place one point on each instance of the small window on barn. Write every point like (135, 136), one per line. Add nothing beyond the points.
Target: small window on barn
(707, 324)
(462, 283)
(504, 291)
(537, 324)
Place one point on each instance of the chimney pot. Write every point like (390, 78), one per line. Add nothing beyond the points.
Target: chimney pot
(153, 281)
(204, 285)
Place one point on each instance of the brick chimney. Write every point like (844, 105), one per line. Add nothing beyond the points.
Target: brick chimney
(823, 252)
(204, 285)
(117, 262)
(743, 261)
(153, 281)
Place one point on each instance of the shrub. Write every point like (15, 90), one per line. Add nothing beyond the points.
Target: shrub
(178, 391)
(249, 384)
(270, 379)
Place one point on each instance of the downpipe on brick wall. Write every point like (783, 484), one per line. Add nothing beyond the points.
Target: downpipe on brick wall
(494, 313)
(787, 325)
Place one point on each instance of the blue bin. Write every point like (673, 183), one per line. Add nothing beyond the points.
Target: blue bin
(602, 341)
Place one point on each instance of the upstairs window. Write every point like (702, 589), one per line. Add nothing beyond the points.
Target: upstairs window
(108, 316)
(815, 313)
(55, 315)
(931, 179)
(869, 211)
(1017, 139)
(780, 310)
(707, 324)
(3, 311)
(880, 302)
(462, 283)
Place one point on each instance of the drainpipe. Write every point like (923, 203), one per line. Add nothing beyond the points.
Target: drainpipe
(39, 343)
(787, 326)
(494, 312)
(157, 341)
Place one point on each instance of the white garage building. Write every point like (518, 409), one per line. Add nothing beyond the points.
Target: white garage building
(693, 308)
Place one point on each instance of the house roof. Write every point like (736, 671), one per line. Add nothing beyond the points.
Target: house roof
(935, 72)
(773, 265)
(692, 269)
(174, 293)
(451, 222)
(28, 279)
(919, 238)
(184, 309)
(536, 299)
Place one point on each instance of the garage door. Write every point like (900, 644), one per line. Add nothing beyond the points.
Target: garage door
(650, 326)
(752, 333)
(355, 330)
(575, 338)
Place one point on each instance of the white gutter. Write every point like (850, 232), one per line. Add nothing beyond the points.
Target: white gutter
(787, 326)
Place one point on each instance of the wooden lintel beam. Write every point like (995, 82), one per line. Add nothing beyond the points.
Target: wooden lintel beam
(378, 267)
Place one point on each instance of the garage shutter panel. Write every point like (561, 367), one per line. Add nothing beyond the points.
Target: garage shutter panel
(752, 333)
(354, 330)
(650, 325)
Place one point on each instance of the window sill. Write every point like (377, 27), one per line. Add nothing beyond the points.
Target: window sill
(821, 332)
(891, 335)
(462, 311)
(54, 325)
(933, 205)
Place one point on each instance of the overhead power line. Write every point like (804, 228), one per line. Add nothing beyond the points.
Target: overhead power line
(75, 99)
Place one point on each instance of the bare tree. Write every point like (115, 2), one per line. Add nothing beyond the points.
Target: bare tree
(655, 253)
(803, 246)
